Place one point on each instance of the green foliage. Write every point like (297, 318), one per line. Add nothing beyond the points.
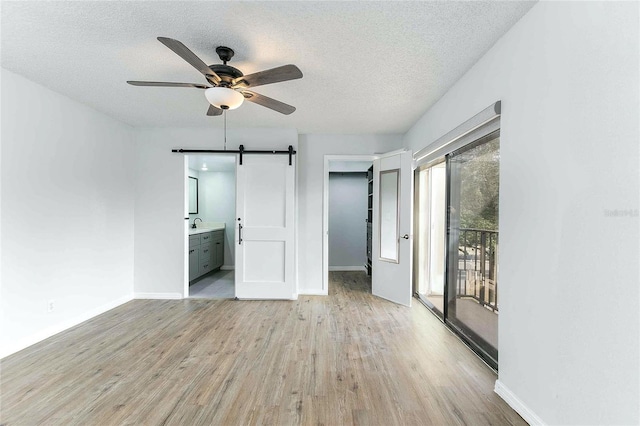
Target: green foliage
(480, 174)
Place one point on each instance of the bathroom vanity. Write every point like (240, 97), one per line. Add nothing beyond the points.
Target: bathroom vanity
(206, 251)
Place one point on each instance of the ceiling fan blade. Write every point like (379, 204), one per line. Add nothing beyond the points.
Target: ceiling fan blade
(274, 75)
(265, 101)
(213, 111)
(165, 84)
(184, 52)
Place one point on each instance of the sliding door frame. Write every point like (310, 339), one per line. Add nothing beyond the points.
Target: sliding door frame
(471, 133)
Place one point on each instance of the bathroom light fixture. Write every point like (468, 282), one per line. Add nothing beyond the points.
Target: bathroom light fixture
(204, 167)
(224, 97)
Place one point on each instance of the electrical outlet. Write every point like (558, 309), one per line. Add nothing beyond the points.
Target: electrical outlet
(51, 304)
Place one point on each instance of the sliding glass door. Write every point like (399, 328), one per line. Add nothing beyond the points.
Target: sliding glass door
(456, 250)
(472, 279)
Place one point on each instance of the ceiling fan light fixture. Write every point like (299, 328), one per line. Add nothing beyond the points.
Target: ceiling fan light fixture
(224, 97)
(229, 83)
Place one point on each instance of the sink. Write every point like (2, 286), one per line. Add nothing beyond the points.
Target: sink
(207, 229)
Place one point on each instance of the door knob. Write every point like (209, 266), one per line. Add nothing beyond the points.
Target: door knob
(405, 236)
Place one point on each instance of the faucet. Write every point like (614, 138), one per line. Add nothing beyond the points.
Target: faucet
(194, 222)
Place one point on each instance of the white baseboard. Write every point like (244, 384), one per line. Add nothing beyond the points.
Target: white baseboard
(347, 268)
(227, 267)
(62, 326)
(514, 402)
(161, 296)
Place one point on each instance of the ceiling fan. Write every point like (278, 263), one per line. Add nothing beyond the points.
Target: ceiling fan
(228, 85)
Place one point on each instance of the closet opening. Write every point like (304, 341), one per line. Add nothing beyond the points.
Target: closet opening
(347, 216)
(210, 202)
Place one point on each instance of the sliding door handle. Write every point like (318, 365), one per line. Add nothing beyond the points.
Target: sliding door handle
(239, 234)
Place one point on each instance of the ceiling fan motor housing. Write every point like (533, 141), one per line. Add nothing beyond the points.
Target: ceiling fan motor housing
(226, 73)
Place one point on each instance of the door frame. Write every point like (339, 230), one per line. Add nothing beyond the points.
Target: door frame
(325, 211)
(185, 249)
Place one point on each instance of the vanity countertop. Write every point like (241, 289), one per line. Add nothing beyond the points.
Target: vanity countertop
(210, 228)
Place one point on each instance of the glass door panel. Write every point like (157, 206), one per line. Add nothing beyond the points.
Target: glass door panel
(431, 227)
(472, 281)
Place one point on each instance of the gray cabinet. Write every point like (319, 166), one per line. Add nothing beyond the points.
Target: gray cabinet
(206, 253)
(194, 256)
(217, 244)
(205, 257)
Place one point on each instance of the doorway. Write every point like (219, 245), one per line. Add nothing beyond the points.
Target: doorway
(210, 233)
(346, 209)
(391, 235)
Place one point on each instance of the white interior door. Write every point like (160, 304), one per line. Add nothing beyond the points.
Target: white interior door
(392, 223)
(265, 228)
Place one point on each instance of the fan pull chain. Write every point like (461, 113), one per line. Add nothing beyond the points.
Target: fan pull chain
(225, 130)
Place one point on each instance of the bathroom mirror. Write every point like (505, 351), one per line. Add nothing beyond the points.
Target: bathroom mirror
(193, 195)
(389, 182)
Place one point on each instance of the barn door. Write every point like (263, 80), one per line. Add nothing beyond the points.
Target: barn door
(265, 228)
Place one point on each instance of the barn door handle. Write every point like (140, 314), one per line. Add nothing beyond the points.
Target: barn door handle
(239, 234)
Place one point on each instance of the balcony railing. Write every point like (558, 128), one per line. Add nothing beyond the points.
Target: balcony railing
(477, 266)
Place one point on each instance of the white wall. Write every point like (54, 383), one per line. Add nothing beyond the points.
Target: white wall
(348, 194)
(311, 152)
(159, 207)
(67, 212)
(567, 75)
(218, 204)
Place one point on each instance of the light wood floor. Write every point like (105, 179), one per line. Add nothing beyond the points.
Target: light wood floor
(349, 358)
(473, 315)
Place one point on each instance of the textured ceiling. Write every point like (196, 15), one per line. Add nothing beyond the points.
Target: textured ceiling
(369, 67)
